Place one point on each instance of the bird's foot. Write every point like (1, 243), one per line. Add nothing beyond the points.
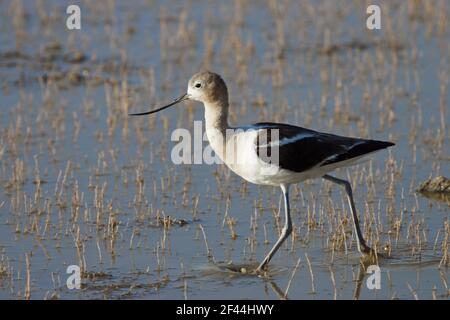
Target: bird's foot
(369, 255)
(262, 269)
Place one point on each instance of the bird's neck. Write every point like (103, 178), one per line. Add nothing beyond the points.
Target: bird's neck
(216, 125)
(216, 116)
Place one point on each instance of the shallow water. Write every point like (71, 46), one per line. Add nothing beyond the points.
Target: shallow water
(83, 184)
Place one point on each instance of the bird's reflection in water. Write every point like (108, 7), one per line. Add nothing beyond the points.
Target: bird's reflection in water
(236, 270)
(365, 262)
(359, 281)
(276, 289)
(248, 270)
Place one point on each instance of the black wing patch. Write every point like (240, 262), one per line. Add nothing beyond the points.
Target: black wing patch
(300, 149)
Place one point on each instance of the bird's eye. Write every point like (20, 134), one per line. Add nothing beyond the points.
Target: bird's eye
(198, 85)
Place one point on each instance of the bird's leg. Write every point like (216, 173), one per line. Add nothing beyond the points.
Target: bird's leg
(363, 248)
(287, 229)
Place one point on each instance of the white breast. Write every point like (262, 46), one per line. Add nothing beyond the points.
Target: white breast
(241, 157)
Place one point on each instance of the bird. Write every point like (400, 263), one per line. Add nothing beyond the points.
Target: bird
(275, 154)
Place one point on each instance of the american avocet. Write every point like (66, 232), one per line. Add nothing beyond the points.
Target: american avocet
(301, 153)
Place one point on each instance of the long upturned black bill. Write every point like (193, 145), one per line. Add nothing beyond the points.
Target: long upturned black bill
(182, 98)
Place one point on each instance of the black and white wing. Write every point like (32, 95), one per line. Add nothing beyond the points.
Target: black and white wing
(300, 149)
